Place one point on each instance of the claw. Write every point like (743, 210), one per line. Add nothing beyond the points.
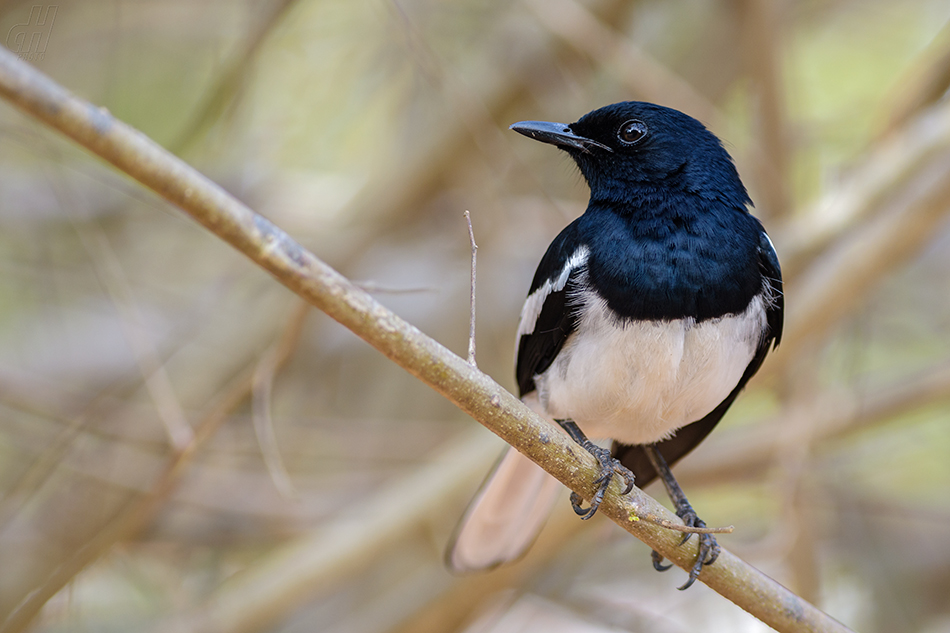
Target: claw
(708, 547)
(658, 561)
(624, 472)
(584, 513)
(713, 553)
(693, 575)
(608, 467)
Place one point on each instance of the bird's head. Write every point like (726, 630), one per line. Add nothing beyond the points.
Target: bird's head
(625, 147)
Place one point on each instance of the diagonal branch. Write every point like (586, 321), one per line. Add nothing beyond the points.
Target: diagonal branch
(471, 390)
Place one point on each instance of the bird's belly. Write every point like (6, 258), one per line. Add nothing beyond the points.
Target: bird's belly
(639, 382)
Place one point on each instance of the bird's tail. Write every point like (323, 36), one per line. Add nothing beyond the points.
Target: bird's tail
(505, 517)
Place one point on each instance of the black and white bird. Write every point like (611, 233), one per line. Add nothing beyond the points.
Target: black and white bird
(647, 316)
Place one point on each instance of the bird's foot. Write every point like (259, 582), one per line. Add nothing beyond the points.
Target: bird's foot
(608, 467)
(708, 547)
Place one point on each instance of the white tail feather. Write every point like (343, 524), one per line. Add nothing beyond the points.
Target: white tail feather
(505, 516)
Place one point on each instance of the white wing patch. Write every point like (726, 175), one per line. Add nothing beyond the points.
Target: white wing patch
(535, 301)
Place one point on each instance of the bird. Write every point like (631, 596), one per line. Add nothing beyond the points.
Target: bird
(646, 317)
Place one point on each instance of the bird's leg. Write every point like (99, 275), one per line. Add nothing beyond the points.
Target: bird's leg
(708, 547)
(608, 466)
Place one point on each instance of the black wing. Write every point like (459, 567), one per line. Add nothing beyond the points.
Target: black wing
(550, 313)
(688, 437)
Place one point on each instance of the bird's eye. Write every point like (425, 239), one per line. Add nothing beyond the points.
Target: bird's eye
(632, 132)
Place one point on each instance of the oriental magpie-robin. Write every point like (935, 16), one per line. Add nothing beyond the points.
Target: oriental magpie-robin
(646, 317)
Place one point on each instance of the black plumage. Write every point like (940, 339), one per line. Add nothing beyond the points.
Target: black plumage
(649, 313)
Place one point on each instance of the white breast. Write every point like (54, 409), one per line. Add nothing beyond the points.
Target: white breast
(639, 382)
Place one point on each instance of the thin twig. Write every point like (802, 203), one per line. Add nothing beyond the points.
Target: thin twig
(472, 391)
(157, 382)
(471, 325)
(373, 287)
(680, 527)
(263, 387)
(687, 529)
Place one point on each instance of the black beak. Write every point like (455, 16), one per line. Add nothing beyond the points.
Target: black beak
(556, 134)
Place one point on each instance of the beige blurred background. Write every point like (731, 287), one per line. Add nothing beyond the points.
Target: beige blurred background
(184, 447)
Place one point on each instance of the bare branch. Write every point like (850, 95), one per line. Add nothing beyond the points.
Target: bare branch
(471, 390)
(262, 390)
